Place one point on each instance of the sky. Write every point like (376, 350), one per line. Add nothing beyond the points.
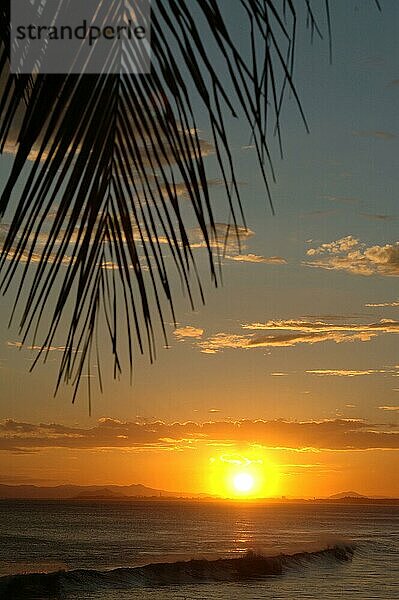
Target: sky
(289, 370)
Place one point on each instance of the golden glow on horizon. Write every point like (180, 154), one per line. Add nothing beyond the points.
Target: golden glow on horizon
(243, 476)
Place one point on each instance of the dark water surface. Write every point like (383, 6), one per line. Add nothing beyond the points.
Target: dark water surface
(82, 537)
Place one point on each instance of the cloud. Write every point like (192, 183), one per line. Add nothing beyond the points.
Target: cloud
(372, 61)
(379, 135)
(342, 199)
(188, 332)
(384, 325)
(33, 251)
(225, 237)
(344, 372)
(389, 408)
(222, 341)
(231, 240)
(144, 140)
(317, 213)
(337, 434)
(299, 332)
(171, 153)
(378, 217)
(349, 254)
(181, 190)
(332, 317)
(254, 258)
(342, 245)
(237, 459)
(17, 344)
(383, 304)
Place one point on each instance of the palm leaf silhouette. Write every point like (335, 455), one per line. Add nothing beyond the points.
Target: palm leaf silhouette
(92, 199)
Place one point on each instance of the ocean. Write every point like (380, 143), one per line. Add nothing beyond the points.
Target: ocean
(111, 550)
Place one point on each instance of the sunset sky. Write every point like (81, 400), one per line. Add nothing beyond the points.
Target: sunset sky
(291, 369)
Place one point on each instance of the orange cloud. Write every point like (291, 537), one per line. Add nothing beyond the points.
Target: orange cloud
(338, 434)
(254, 258)
(383, 304)
(300, 332)
(345, 372)
(349, 254)
(384, 325)
(188, 331)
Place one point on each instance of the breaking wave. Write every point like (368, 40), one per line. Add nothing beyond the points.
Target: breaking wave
(56, 585)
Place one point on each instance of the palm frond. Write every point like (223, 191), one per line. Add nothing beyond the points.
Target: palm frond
(106, 154)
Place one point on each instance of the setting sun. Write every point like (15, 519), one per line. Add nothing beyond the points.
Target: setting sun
(243, 482)
(243, 476)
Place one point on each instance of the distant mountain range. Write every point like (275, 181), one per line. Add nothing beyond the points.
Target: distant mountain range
(88, 492)
(138, 491)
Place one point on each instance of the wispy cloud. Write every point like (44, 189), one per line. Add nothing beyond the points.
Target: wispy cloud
(34, 251)
(344, 372)
(389, 370)
(378, 217)
(231, 241)
(331, 317)
(342, 199)
(167, 157)
(379, 135)
(389, 408)
(299, 332)
(317, 213)
(188, 331)
(350, 255)
(394, 303)
(373, 61)
(255, 258)
(222, 341)
(338, 434)
(225, 237)
(34, 347)
(181, 190)
(384, 325)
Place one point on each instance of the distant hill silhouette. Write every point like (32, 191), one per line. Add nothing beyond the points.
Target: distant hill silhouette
(346, 495)
(103, 494)
(87, 492)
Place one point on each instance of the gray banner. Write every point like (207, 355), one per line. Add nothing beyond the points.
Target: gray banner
(80, 36)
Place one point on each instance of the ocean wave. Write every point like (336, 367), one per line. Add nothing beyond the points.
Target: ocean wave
(57, 585)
